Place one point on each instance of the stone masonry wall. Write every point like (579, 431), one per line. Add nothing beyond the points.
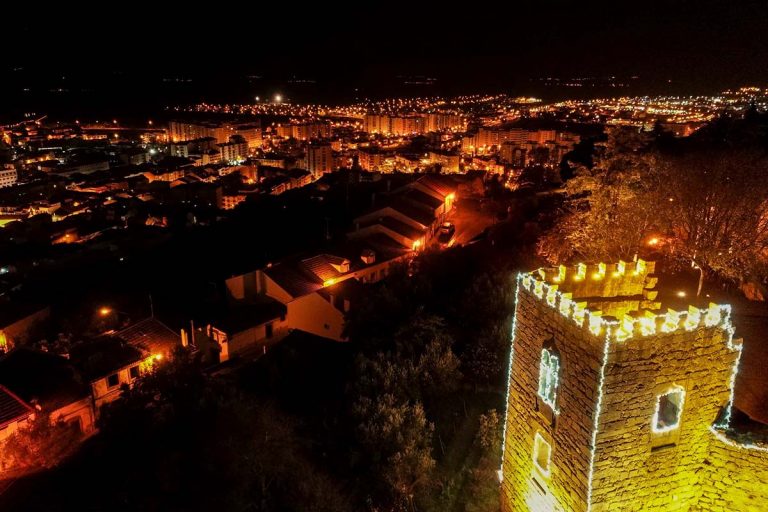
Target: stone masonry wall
(689, 468)
(635, 468)
(570, 438)
(735, 479)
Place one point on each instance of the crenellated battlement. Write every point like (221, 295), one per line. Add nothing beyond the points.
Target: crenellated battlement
(618, 300)
(603, 280)
(617, 402)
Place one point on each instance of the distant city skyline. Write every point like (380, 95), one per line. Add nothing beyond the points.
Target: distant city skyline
(131, 61)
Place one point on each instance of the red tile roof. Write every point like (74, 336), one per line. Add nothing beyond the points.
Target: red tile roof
(324, 266)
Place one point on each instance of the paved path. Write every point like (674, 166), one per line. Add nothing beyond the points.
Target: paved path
(470, 217)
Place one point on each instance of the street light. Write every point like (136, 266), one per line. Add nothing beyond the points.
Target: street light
(105, 311)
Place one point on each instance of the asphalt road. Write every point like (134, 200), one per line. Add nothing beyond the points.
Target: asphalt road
(470, 218)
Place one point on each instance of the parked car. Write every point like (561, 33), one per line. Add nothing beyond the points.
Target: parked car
(446, 233)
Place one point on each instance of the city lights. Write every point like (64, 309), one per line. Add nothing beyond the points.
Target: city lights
(314, 237)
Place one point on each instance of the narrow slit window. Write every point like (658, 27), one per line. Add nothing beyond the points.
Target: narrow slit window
(549, 377)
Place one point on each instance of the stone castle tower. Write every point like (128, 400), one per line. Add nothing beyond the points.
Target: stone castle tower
(615, 404)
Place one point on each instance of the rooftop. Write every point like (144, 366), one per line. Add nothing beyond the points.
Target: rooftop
(13, 311)
(401, 228)
(443, 185)
(245, 315)
(417, 196)
(291, 278)
(152, 336)
(326, 266)
(104, 356)
(412, 212)
(12, 408)
(43, 377)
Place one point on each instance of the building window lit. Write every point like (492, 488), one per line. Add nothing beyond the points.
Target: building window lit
(542, 453)
(669, 410)
(549, 376)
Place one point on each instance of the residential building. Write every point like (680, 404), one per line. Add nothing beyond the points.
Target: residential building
(179, 149)
(400, 125)
(370, 159)
(298, 177)
(319, 159)
(311, 294)
(436, 122)
(411, 215)
(179, 131)
(305, 131)
(152, 337)
(251, 134)
(407, 125)
(52, 383)
(448, 162)
(8, 175)
(270, 161)
(247, 325)
(311, 130)
(20, 322)
(492, 138)
(377, 123)
(14, 413)
(231, 200)
(404, 163)
(234, 151)
(107, 364)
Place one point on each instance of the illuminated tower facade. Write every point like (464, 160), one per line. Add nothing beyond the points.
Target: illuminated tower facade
(615, 403)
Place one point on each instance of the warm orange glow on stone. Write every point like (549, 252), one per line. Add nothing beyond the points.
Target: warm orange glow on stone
(613, 410)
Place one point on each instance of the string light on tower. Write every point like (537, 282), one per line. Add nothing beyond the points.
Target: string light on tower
(519, 280)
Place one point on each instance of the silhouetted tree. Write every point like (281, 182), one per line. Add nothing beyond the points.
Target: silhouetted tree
(217, 447)
(483, 488)
(609, 210)
(713, 207)
(399, 439)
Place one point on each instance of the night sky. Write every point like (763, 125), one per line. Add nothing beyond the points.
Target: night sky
(140, 57)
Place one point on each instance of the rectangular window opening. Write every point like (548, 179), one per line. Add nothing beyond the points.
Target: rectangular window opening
(542, 453)
(669, 410)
